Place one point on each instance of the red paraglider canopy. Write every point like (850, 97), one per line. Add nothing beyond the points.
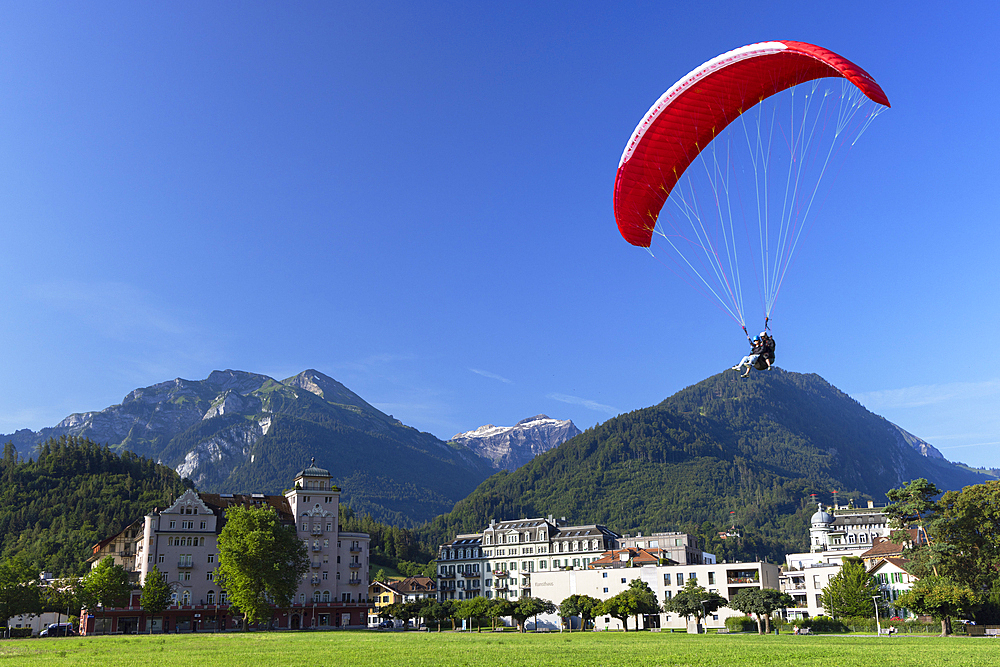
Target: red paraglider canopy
(695, 109)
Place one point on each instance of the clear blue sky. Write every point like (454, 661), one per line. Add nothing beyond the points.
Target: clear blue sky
(415, 199)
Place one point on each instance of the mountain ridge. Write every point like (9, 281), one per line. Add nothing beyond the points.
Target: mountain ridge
(248, 431)
(727, 450)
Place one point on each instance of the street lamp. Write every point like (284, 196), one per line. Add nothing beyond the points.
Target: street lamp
(878, 625)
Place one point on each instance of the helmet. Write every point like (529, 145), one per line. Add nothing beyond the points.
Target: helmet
(756, 339)
(763, 334)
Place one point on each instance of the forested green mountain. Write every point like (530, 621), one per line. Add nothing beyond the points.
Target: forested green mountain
(245, 432)
(72, 495)
(725, 452)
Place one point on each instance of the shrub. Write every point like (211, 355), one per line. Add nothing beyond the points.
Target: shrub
(821, 624)
(741, 624)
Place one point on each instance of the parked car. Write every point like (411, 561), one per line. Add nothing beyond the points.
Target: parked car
(58, 630)
(386, 624)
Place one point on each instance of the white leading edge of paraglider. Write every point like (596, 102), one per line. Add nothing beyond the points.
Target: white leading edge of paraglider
(700, 72)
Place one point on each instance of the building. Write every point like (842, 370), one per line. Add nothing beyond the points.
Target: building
(411, 589)
(665, 580)
(181, 541)
(806, 585)
(120, 547)
(847, 528)
(499, 561)
(893, 580)
(678, 547)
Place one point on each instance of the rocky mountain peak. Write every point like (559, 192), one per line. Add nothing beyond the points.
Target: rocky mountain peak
(510, 447)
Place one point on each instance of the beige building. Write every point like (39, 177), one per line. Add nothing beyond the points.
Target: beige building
(499, 561)
(181, 541)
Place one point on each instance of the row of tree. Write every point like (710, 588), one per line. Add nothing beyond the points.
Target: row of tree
(637, 601)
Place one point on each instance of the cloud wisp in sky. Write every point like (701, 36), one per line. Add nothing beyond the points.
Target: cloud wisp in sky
(587, 403)
(492, 376)
(927, 394)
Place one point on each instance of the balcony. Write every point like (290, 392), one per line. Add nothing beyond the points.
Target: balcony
(500, 585)
(315, 547)
(354, 582)
(742, 580)
(316, 564)
(469, 575)
(446, 575)
(184, 564)
(354, 565)
(314, 581)
(500, 573)
(355, 548)
(317, 531)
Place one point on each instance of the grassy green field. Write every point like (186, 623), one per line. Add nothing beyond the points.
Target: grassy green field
(417, 649)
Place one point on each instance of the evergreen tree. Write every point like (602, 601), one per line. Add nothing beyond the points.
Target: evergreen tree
(849, 593)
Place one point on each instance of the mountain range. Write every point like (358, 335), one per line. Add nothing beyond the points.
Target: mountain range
(239, 431)
(755, 453)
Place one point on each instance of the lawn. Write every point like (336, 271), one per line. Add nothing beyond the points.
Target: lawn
(419, 649)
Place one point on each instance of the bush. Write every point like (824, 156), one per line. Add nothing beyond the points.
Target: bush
(824, 624)
(741, 624)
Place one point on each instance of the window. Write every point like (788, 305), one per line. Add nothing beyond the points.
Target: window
(160, 558)
(210, 597)
(173, 524)
(667, 595)
(623, 580)
(211, 577)
(211, 558)
(666, 579)
(605, 589)
(203, 524)
(680, 579)
(305, 525)
(326, 575)
(711, 578)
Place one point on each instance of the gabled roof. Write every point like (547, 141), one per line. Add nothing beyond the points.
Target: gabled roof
(636, 556)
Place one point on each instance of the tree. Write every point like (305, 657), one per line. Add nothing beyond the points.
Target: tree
(436, 612)
(260, 561)
(498, 608)
(155, 595)
(694, 600)
(527, 607)
(59, 597)
(106, 585)
(761, 603)
(473, 609)
(909, 504)
(380, 575)
(850, 592)
(940, 597)
(19, 591)
(966, 527)
(645, 599)
(619, 606)
(582, 606)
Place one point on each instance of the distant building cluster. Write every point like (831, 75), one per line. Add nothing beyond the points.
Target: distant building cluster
(510, 559)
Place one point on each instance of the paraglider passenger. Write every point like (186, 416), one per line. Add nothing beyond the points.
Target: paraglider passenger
(756, 349)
